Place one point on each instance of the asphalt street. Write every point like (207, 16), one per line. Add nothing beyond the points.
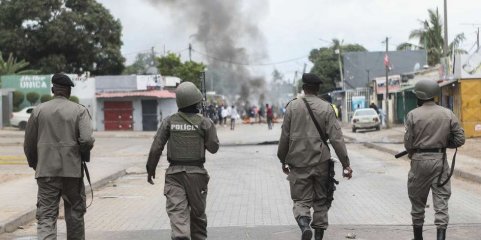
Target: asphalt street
(249, 199)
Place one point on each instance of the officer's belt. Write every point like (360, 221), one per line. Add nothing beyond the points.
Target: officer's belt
(431, 150)
(196, 163)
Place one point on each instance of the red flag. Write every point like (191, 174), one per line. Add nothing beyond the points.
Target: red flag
(386, 60)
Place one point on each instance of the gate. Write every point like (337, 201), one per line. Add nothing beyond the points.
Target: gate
(118, 115)
(149, 115)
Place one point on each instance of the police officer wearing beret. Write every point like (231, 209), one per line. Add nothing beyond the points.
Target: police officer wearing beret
(57, 133)
(430, 129)
(306, 158)
(188, 135)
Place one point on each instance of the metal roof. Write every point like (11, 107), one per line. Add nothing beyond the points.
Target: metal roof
(152, 93)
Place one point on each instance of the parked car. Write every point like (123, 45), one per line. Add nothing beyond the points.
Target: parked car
(365, 118)
(19, 119)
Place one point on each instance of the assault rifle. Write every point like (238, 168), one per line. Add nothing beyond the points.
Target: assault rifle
(400, 154)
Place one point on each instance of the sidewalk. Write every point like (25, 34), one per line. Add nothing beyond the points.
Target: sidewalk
(468, 158)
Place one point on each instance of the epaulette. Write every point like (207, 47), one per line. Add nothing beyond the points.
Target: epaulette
(290, 102)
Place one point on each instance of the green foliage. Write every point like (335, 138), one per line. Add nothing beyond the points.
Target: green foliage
(62, 35)
(141, 65)
(171, 65)
(74, 99)
(18, 98)
(430, 37)
(326, 64)
(12, 66)
(32, 98)
(45, 98)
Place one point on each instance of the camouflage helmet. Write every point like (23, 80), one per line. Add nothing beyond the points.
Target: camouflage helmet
(426, 89)
(187, 94)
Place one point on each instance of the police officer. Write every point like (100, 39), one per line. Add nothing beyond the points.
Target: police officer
(430, 129)
(57, 132)
(187, 134)
(305, 158)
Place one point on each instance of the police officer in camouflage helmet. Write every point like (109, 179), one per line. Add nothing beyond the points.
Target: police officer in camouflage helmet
(306, 159)
(187, 135)
(430, 129)
(57, 133)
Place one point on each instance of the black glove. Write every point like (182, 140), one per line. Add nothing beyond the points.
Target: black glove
(150, 175)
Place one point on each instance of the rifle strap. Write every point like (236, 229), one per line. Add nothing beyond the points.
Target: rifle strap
(321, 133)
(86, 170)
(453, 162)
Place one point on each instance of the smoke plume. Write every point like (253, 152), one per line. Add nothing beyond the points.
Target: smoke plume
(229, 40)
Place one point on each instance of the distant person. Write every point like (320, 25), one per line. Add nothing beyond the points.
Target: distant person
(269, 116)
(233, 116)
(374, 106)
(305, 157)
(187, 135)
(225, 115)
(57, 137)
(219, 113)
(430, 129)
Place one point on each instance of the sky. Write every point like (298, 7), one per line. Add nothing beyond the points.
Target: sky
(293, 28)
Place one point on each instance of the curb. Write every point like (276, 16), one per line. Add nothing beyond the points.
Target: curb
(457, 173)
(13, 223)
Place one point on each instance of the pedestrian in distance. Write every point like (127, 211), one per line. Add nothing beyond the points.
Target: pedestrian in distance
(430, 129)
(57, 136)
(225, 115)
(233, 116)
(306, 159)
(187, 135)
(269, 116)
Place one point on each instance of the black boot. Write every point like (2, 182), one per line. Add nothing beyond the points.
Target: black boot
(418, 232)
(441, 234)
(319, 234)
(305, 228)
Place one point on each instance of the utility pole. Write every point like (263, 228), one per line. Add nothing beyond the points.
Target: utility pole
(190, 52)
(386, 102)
(340, 66)
(304, 70)
(152, 57)
(294, 83)
(477, 40)
(446, 51)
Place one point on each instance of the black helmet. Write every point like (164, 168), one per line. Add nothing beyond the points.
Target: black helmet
(426, 89)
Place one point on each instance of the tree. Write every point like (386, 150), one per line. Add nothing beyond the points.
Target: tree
(142, 63)
(45, 98)
(62, 35)
(32, 98)
(430, 37)
(171, 65)
(326, 64)
(18, 98)
(12, 66)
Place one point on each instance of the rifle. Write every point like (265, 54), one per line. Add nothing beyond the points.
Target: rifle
(400, 154)
(204, 94)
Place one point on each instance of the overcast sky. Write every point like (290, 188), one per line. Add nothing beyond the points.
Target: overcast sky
(293, 28)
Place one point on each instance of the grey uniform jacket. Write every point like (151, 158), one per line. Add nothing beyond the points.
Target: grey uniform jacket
(211, 143)
(431, 127)
(55, 134)
(300, 142)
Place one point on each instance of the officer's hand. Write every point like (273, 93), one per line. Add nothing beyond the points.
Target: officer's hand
(150, 175)
(285, 169)
(347, 172)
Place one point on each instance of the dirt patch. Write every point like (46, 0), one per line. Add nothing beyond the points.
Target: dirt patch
(9, 177)
(472, 148)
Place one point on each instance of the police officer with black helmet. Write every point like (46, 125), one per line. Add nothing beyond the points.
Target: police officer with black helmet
(187, 135)
(430, 129)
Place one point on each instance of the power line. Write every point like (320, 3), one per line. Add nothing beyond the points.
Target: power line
(246, 63)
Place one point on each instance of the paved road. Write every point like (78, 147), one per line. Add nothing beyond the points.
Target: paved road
(249, 199)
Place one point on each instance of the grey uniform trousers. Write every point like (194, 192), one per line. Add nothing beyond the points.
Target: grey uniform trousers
(72, 190)
(186, 195)
(423, 177)
(309, 189)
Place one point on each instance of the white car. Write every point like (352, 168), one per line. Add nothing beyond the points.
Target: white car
(365, 118)
(19, 119)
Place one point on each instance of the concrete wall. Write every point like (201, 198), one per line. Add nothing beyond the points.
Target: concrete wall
(166, 108)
